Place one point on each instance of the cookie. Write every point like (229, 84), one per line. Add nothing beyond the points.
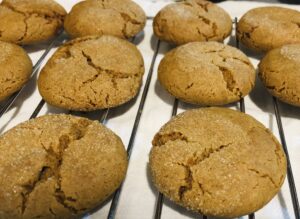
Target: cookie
(279, 71)
(206, 73)
(218, 162)
(190, 21)
(120, 18)
(92, 73)
(30, 21)
(15, 68)
(58, 166)
(265, 28)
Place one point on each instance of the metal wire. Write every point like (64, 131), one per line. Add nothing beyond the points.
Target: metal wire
(242, 101)
(290, 175)
(36, 67)
(115, 200)
(160, 198)
(38, 109)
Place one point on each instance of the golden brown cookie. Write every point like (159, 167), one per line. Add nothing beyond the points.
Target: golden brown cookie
(92, 73)
(192, 20)
(279, 70)
(206, 73)
(218, 162)
(58, 166)
(15, 68)
(121, 18)
(30, 21)
(265, 28)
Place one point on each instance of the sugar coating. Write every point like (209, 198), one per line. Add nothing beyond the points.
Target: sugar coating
(92, 73)
(218, 162)
(30, 21)
(192, 20)
(279, 72)
(58, 166)
(291, 52)
(15, 68)
(265, 28)
(95, 18)
(206, 73)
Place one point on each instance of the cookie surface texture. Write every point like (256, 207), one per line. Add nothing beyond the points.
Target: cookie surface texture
(121, 18)
(266, 28)
(190, 21)
(58, 166)
(206, 73)
(92, 73)
(15, 68)
(218, 162)
(279, 71)
(30, 21)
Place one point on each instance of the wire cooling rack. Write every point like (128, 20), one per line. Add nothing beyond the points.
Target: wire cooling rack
(104, 116)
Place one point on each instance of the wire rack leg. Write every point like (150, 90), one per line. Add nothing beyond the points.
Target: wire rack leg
(290, 175)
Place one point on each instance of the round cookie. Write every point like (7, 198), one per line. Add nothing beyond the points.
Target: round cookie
(192, 20)
(30, 21)
(218, 162)
(58, 166)
(279, 70)
(121, 18)
(93, 72)
(265, 28)
(15, 68)
(206, 73)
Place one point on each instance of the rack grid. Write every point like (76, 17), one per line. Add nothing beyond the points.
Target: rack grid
(104, 119)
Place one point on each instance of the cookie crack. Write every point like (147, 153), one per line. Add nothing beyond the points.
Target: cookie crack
(32, 12)
(111, 73)
(296, 23)
(43, 175)
(226, 58)
(55, 159)
(206, 154)
(162, 139)
(189, 86)
(127, 19)
(229, 80)
(247, 35)
(203, 6)
(188, 180)
(27, 15)
(263, 175)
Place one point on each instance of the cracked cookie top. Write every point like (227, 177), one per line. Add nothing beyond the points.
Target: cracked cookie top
(266, 28)
(218, 162)
(30, 21)
(121, 18)
(207, 73)
(279, 70)
(92, 73)
(192, 20)
(58, 166)
(15, 68)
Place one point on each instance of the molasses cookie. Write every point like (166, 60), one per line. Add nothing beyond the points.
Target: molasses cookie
(218, 162)
(15, 68)
(279, 70)
(93, 72)
(192, 20)
(30, 21)
(121, 18)
(206, 73)
(58, 166)
(265, 28)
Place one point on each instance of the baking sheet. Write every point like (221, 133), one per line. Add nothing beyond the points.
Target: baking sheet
(138, 197)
